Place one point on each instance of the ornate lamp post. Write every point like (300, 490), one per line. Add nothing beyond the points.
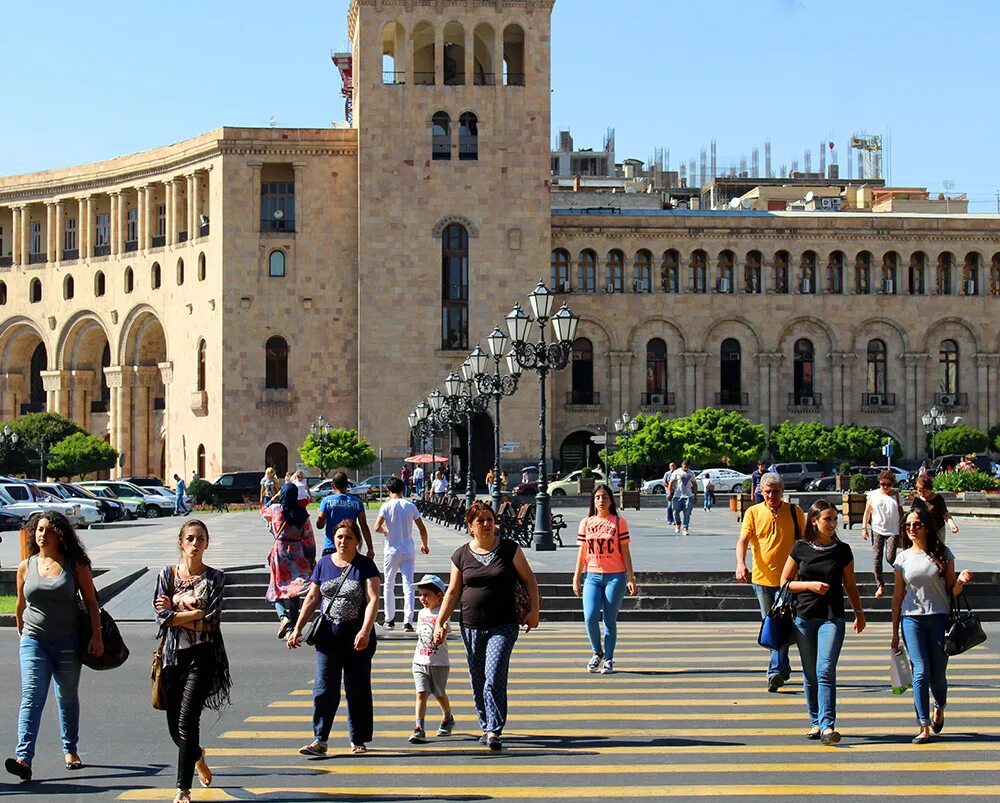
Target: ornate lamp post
(8, 440)
(625, 426)
(495, 386)
(437, 417)
(422, 412)
(933, 421)
(458, 396)
(542, 357)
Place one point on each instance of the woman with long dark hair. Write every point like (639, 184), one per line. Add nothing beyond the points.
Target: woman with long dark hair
(605, 563)
(292, 558)
(46, 616)
(484, 573)
(921, 603)
(819, 570)
(188, 604)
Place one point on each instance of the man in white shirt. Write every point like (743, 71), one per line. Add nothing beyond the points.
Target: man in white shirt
(683, 490)
(395, 521)
(418, 480)
(666, 491)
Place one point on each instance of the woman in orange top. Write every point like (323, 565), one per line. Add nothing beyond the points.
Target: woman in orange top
(605, 563)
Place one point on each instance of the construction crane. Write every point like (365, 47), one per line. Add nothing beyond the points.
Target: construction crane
(870, 146)
(345, 63)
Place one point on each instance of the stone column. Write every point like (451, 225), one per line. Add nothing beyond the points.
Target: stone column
(80, 384)
(470, 55)
(142, 223)
(439, 57)
(621, 362)
(986, 379)
(117, 412)
(50, 224)
(768, 373)
(142, 427)
(15, 241)
(113, 230)
(194, 204)
(694, 380)
(189, 209)
(168, 186)
(255, 192)
(57, 235)
(55, 383)
(81, 216)
(87, 228)
(122, 222)
(842, 385)
(300, 196)
(914, 364)
(24, 234)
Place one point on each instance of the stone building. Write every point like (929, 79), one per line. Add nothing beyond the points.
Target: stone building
(200, 304)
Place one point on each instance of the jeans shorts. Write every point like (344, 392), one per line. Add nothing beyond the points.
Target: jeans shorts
(431, 679)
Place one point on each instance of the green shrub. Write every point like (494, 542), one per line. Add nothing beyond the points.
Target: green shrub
(955, 481)
(844, 468)
(858, 484)
(586, 474)
(747, 485)
(631, 485)
(201, 492)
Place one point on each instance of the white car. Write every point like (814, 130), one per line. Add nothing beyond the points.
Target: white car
(168, 494)
(151, 504)
(89, 508)
(26, 509)
(570, 484)
(726, 480)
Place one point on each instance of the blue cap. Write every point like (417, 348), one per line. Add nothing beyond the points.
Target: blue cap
(432, 580)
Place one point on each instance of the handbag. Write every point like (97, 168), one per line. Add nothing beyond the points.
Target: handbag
(115, 650)
(158, 694)
(777, 630)
(310, 632)
(522, 601)
(900, 675)
(965, 631)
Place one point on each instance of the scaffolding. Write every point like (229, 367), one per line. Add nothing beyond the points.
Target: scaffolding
(869, 148)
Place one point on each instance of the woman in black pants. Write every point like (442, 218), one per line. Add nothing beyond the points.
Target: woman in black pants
(188, 605)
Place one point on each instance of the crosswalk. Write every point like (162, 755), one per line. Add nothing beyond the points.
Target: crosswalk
(686, 715)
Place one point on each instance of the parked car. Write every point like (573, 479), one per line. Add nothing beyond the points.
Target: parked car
(26, 509)
(21, 490)
(726, 480)
(325, 488)
(134, 507)
(799, 475)
(570, 484)
(144, 482)
(171, 495)
(151, 504)
(90, 509)
(947, 462)
(377, 483)
(234, 486)
(114, 509)
(10, 520)
(828, 483)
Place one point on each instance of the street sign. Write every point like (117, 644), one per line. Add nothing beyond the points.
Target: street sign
(600, 440)
(509, 447)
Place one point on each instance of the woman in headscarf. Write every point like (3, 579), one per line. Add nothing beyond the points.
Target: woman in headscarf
(292, 557)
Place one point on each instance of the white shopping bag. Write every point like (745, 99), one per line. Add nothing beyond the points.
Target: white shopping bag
(900, 676)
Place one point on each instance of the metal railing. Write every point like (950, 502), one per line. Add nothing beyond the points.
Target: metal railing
(6, 262)
(283, 224)
(454, 79)
(131, 245)
(657, 399)
(392, 77)
(878, 399)
(182, 236)
(947, 400)
(159, 403)
(423, 78)
(32, 407)
(203, 230)
(102, 250)
(728, 398)
(514, 79)
(38, 259)
(484, 79)
(99, 406)
(805, 399)
(70, 254)
(583, 397)
(158, 241)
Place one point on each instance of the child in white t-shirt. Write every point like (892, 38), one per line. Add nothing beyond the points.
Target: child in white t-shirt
(430, 660)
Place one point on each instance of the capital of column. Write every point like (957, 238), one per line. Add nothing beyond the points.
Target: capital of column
(166, 371)
(54, 380)
(694, 358)
(623, 357)
(842, 359)
(987, 359)
(768, 358)
(114, 375)
(915, 358)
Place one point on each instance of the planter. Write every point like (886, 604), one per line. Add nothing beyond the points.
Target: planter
(587, 485)
(853, 509)
(628, 499)
(843, 482)
(743, 503)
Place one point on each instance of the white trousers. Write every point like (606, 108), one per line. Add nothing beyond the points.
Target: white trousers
(392, 564)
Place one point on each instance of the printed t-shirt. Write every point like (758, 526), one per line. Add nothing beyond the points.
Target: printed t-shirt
(603, 539)
(926, 591)
(337, 508)
(346, 610)
(826, 565)
(683, 481)
(885, 512)
(487, 585)
(771, 537)
(399, 516)
(427, 652)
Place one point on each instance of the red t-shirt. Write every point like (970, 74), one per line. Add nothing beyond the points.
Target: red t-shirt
(603, 539)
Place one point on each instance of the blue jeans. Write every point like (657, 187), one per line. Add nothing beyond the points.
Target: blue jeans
(779, 658)
(488, 650)
(924, 639)
(288, 608)
(709, 499)
(42, 661)
(819, 642)
(336, 658)
(602, 597)
(670, 511)
(682, 506)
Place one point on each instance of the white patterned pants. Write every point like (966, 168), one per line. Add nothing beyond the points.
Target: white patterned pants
(394, 563)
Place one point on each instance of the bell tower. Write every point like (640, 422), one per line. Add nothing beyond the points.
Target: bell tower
(451, 107)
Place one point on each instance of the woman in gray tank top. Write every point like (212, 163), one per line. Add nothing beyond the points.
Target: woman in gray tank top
(46, 615)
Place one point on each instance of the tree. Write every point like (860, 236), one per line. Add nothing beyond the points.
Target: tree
(342, 448)
(33, 430)
(800, 441)
(80, 454)
(961, 439)
(860, 444)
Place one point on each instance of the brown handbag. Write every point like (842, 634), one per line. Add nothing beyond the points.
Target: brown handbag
(159, 697)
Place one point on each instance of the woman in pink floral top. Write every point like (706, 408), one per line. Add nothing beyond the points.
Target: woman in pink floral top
(292, 557)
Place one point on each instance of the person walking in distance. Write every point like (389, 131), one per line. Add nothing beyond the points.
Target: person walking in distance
(769, 529)
(180, 490)
(342, 506)
(268, 486)
(684, 493)
(926, 498)
(292, 558)
(666, 492)
(709, 493)
(881, 521)
(404, 477)
(396, 519)
(418, 480)
(758, 472)
(819, 571)
(430, 660)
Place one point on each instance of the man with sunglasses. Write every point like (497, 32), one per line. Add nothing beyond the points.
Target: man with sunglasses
(883, 515)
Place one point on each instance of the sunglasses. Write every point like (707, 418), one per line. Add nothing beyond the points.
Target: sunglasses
(913, 525)
(885, 484)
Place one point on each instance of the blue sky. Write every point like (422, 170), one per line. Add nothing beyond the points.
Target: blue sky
(86, 81)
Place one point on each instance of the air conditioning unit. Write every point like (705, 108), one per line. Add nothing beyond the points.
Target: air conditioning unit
(564, 287)
(656, 399)
(874, 399)
(724, 285)
(806, 286)
(610, 288)
(947, 399)
(639, 286)
(807, 401)
(970, 288)
(889, 287)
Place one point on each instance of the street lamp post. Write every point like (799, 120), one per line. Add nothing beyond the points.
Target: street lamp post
(542, 357)
(8, 440)
(625, 426)
(423, 411)
(458, 395)
(933, 421)
(495, 386)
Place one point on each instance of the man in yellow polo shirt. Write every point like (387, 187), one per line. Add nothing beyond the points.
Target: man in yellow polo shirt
(769, 528)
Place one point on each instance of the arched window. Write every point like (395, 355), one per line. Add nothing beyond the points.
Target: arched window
(36, 388)
(455, 287)
(276, 363)
(863, 273)
(483, 48)
(656, 372)
(995, 275)
(807, 279)
(68, 288)
(422, 48)
(726, 266)
(917, 273)
(104, 392)
(441, 137)
(393, 72)
(835, 269)
(730, 374)
(890, 273)
(276, 457)
(202, 271)
(454, 54)
(154, 276)
(560, 270)
(970, 274)
(583, 373)
(946, 274)
(802, 370)
(129, 280)
(587, 272)
(614, 276)
(642, 272)
(100, 285)
(468, 137)
(276, 264)
(875, 381)
(201, 460)
(200, 376)
(751, 273)
(670, 273)
(949, 367)
(3, 293)
(781, 272)
(699, 271)
(180, 272)
(35, 291)
(513, 56)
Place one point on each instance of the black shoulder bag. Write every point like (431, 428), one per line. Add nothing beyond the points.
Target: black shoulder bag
(115, 651)
(311, 631)
(964, 631)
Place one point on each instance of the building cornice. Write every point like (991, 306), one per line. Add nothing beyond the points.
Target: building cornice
(439, 6)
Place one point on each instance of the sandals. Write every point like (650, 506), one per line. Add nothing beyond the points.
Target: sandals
(183, 796)
(203, 770)
(830, 736)
(18, 768)
(813, 733)
(358, 749)
(314, 748)
(73, 761)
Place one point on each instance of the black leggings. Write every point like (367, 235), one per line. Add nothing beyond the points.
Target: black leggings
(187, 685)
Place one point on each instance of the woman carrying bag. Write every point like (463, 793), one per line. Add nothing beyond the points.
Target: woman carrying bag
(46, 615)
(188, 605)
(819, 570)
(292, 558)
(921, 604)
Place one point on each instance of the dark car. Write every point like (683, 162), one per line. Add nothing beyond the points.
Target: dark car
(145, 482)
(10, 521)
(947, 462)
(113, 509)
(234, 486)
